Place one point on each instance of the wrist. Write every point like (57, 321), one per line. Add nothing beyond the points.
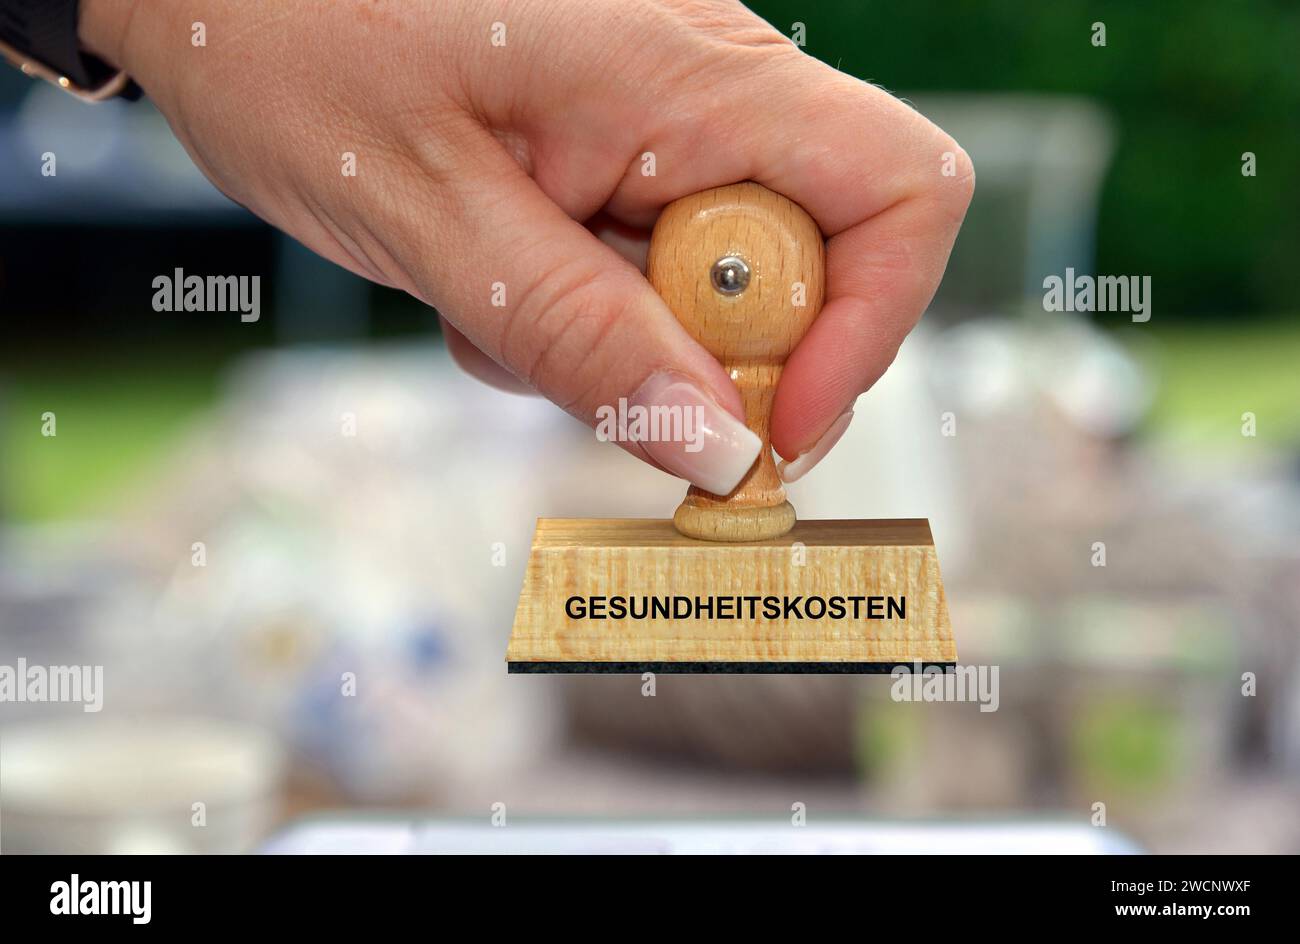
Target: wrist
(102, 27)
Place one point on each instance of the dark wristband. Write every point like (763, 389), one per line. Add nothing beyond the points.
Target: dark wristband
(43, 33)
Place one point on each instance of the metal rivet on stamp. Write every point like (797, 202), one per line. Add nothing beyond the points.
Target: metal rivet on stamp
(729, 275)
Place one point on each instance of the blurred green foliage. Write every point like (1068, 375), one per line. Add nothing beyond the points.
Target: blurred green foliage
(1208, 376)
(1192, 84)
(113, 422)
(1126, 744)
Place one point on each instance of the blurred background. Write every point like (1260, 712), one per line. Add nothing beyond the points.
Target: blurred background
(204, 526)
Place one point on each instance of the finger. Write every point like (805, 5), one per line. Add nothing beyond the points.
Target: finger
(564, 313)
(630, 243)
(881, 275)
(477, 364)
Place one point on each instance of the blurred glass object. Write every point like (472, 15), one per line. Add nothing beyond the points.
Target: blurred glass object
(1040, 160)
(105, 785)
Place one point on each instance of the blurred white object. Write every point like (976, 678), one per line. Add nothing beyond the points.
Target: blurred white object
(687, 837)
(364, 518)
(122, 785)
(1002, 367)
(893, 461)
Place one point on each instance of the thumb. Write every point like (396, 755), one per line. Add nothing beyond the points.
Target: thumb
(566, 314)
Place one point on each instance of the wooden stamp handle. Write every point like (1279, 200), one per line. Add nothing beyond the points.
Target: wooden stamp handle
(743, 269)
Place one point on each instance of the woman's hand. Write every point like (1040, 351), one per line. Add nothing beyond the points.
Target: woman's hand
(500, 157)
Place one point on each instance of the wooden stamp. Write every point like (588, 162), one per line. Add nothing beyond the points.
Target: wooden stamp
(733, 583)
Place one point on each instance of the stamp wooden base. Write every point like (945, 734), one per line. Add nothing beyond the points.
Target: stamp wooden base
(784, 604)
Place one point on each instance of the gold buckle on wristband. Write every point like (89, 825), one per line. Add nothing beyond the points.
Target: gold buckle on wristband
(39, 70)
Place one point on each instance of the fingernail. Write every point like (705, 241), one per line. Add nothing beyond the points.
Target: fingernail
(803, 463)
(690, 435)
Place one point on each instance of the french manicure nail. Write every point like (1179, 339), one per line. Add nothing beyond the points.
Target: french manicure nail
(803, 463)
(692, 436)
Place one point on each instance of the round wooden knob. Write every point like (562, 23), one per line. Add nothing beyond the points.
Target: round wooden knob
(743, 269)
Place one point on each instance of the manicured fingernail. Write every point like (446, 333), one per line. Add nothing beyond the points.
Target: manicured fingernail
(803, 463)
(690, 435)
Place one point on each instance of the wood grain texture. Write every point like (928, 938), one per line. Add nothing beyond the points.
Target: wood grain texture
(607, 557)
(751, 333)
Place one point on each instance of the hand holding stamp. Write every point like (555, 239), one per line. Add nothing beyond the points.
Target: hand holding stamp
(743, 270)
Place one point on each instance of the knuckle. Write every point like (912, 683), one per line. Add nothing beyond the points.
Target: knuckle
(961, 178)
(965, 167)
(943, 175)
(557, 335)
